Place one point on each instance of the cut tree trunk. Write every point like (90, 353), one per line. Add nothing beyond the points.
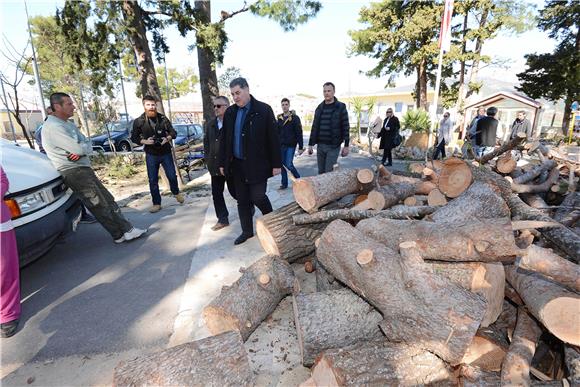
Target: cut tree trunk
(506, 164)
(511, 144)
(557, 308)
(485, 240)
(379, 364)
(436, 198)
(325, 281)
(313, 192)
(389, 195)
(569, 210)
(424, 187)
(248, 301)
(572, 359)
(279, 235)
(534, 172)
(454, 178)
(396, 212)
(552, 266)
(480, 201)
(515, 370)
(536, 201)
(419, 307)
(470, 376)
(367, 180)
(333, 319)
(214, 361)
(538, 188)
(563, 239)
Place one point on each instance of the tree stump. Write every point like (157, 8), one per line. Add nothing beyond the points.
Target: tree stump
(248, 301)
(389, 195)
(333, 319)
(486, 240)
(313, 192)
(557, 308)
(454, 178)
(379, 364)
(418, 306)
(279, 236)
(552, 266)
(214, 361)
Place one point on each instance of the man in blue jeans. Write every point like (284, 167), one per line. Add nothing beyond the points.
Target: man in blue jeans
(290, 133)
(155, 132)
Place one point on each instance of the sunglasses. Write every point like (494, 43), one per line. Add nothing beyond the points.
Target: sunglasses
(218, 106)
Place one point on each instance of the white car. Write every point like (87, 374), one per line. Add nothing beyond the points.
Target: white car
(42, 207)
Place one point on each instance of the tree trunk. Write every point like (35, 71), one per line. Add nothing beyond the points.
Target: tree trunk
(552, 266)
(325, 281)
(572, 359)
(569, 209)
(389, 195)
(418, 306)
(379, 363)
(248, 301)
(455, 177)
(333, 319)
(133, 15)
(214, 361)
(486, 240)
(538, 188)
(557, 308)
(459, 104)
(511, 144)
(534, 172)
(279, 235)
(506, 164)
(313, 192)
(515, 370)
(536, 201)
(422, 95)
(396, 212)
(436, 198)
(478, 47)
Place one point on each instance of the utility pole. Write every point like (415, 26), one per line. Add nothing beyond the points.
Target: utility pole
(8, 111)
(123, 90)
(35, 65)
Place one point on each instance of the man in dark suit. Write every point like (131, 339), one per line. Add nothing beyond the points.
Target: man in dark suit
(249, 153)
(211, 147)
(389, 131)
(486, 132)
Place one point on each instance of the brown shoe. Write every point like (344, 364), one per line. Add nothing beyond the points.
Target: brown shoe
(155, 208)
(180, 198)
(219, 226)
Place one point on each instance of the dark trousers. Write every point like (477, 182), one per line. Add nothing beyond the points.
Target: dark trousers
(249, 195)
(440, 148)
(217, 193)
(388, 154)
(287, 161)
(153, 162)
(326, 156)
(97, 199)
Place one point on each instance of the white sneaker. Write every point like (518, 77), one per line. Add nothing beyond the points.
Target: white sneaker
(120, 240)
(134, 233)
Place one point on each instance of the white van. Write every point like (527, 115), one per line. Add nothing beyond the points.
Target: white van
(42, 207)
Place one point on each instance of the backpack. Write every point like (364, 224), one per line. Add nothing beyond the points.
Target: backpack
(397, 140)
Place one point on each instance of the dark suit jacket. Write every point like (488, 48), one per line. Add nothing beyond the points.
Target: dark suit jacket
(211, 147)
(387, 136)
(486, 131)
(260, 143)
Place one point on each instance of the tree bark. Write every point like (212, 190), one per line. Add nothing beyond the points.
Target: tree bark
(333, 319)
(389, 195)
(569, 210)
(536, 201)
(557, 308)
(534, 172)
(511, 144)
(418, 306)
(486, 240)
(506, 164)
(249, 300)
(552, 266)
(379, 363)
(396, 212)
(325, 281)
(455, 177)
(572, 360)
(538, 188)
(214, 361)
(515, 370)
(313, 192)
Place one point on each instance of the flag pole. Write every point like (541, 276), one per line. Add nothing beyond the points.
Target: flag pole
(435, 102)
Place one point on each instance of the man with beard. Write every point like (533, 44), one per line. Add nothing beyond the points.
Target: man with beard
(154, 131)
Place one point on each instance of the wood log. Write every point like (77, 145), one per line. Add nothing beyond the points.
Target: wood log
(279, 236)
(419, 307)
(214, 361)
(552, 266)
(333, 319)
(506, 164)
(389, 195)
(359, 199)
(515, 369)
(536, 201)
(309, 267)
(470, 376)
(512, 295)
(325, 281)
(367, 180)
(569, 211)
(572, 360)
(436, 198)
(455, 177)
(534, 172)
(557, 308)
(511, 144)
(395, 212)
(410, 201)
(486, 240)
(416, 167)
(379, 364)
(537, 188)
(248, 301)
(525, 239)
(563, 239)
(481, 201)
(430, 175)
(313, 192)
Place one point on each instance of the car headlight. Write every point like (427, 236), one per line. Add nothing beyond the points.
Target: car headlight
(31, 202)
(106, 142)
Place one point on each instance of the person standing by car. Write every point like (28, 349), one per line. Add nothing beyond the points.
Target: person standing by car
(389, 131)
(9, 268)
(290, 132)
(68, 150)
(153, 130)
(211, 148)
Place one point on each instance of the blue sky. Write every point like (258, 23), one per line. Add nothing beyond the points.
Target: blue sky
(276, 62)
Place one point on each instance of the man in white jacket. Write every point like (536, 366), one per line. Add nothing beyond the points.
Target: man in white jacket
(444, 135)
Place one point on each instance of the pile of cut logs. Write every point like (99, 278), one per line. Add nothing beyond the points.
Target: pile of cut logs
(456, 273)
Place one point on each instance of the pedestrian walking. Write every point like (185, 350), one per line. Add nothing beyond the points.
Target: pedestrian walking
(444, 134)
(290, 133)
(388, 133)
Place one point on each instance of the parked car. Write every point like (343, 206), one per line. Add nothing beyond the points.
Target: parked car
(120, 136)
(188, 133)
(42, 207)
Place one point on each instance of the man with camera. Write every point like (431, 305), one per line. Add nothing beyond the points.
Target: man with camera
(154, 131)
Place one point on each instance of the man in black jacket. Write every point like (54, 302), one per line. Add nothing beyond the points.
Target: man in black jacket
(486, 132)
(329, 129)
(290, 132)
(389, 131)
(249, 152)
(211, 147)
(154, 131)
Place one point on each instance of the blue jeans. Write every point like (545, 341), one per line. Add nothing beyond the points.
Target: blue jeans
(287, 157)
(153, 162)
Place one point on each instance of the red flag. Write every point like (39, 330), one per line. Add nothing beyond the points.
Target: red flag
(445, 33)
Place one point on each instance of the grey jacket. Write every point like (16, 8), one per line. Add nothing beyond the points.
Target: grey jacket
(522, 126)
(60, 139)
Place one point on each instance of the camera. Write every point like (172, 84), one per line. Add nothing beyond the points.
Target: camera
(158, 141)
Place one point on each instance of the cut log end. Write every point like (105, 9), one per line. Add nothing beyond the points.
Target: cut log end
(264, 279)
(365, 176)
(436, 198)
(217, 321)
(376, 200)
(365, 257)
(309, 267)
(304, 195)
(266, 238)
(455, 177)
(410, 201)
(563, 324)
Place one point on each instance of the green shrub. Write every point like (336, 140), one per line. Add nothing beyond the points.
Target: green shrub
(417, 120)
(119, 168)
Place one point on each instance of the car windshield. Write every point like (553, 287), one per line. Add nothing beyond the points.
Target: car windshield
(182, 130)
(117, 126)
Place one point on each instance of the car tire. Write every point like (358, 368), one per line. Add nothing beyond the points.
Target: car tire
(124, 147)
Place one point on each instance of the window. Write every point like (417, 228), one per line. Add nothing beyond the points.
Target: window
(398, 107)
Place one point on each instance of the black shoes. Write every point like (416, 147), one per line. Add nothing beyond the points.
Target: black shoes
(242, 238)
(8, 329)
(219, 226)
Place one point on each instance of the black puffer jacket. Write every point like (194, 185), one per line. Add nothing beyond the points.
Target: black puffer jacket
(339, 125)
(290, 131)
